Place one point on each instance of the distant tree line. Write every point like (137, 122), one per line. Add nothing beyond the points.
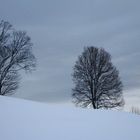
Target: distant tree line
(135, 110)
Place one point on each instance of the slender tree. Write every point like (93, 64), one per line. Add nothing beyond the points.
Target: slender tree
(97, 81)
(15, 55)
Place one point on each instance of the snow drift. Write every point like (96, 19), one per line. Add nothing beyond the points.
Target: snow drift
(27, 120)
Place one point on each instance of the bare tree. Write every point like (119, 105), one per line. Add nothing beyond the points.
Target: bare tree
(135, 110)
(97, 81)
(15, 55)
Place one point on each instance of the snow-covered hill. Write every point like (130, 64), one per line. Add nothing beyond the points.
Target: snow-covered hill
(27, 120)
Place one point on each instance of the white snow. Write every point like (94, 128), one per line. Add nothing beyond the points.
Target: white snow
(27, 120)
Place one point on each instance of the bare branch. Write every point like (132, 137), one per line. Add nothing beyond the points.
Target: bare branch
(97, 80)
(15, 55)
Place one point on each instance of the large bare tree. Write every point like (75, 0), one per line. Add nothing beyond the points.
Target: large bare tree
(97, 81)
(15, 55)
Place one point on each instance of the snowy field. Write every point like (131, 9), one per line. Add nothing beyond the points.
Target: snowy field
(27, 120)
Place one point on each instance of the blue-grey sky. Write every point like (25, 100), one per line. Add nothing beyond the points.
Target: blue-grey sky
(61, 28)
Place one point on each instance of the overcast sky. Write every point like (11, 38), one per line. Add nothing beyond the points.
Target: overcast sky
(61, 28)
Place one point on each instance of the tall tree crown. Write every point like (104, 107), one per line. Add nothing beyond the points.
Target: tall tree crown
(97, 80)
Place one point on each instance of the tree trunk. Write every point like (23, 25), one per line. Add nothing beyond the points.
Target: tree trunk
(92, 93)
(0, 89)
(93, 104)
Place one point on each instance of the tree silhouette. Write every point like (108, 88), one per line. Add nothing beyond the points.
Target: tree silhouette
(97, 80)
(15, 55)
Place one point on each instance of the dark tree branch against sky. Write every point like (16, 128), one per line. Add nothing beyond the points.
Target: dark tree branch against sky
(97, 81)
(15, 55)
(61, 28)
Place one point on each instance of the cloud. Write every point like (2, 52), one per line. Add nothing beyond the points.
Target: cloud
(60, 30)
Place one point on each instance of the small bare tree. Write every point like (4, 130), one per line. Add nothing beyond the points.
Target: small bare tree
(135, 110)
(15, 55)
(97, 81)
